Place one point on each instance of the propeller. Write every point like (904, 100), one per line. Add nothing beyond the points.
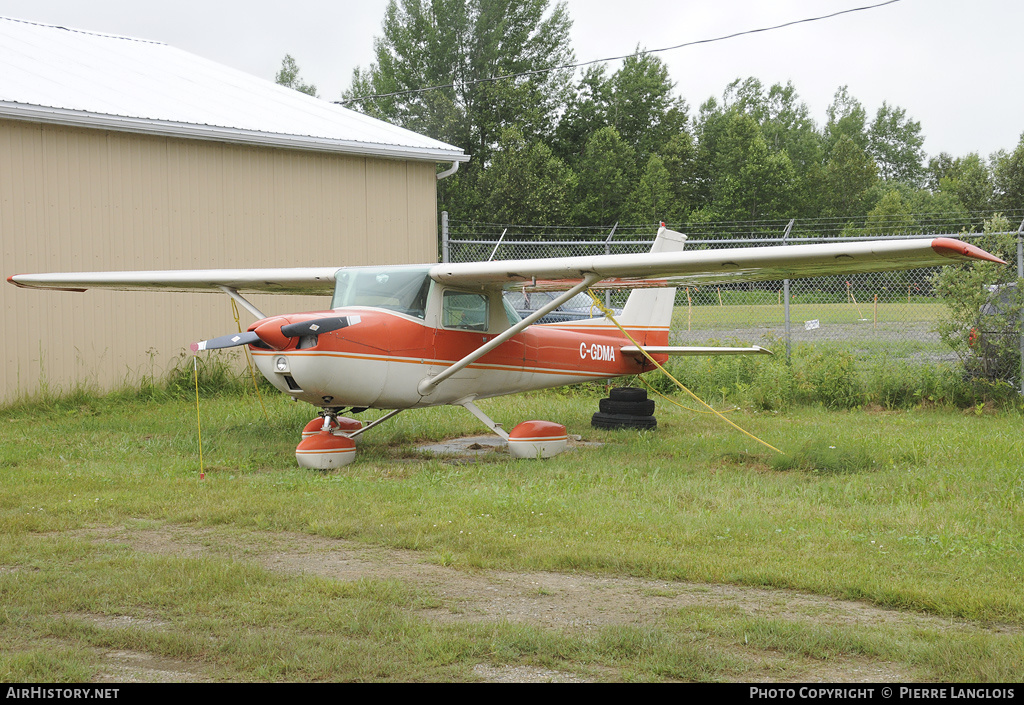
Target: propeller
(317, 326)
(226, 341)
(274, 337)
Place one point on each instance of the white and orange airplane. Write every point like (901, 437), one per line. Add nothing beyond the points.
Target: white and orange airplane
(402, 337)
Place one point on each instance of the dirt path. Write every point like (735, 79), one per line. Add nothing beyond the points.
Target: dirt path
(547, 600)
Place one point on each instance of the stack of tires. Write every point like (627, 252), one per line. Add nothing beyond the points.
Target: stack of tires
(625, 407)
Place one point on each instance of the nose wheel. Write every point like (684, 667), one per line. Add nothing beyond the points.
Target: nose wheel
(325, 442)
(338, 425)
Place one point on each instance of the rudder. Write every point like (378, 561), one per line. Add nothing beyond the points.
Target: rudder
(653, 307)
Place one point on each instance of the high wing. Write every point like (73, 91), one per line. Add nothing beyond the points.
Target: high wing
(651, 269)
(295, 280)
(725, 266)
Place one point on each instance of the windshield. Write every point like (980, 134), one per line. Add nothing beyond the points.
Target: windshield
(402, 289)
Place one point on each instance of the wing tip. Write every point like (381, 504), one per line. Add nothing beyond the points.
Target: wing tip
(949, 247)
(22, 285)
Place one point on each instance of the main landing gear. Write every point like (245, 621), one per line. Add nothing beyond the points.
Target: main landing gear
(530, 439)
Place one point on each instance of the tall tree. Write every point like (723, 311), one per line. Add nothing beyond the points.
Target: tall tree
(784, 119)
(685, 174)
(1008, 178)
(586, 112)
(288, 76)
(651, 200)
(847, 177)
(605, 178)
(643, 106)
(439, 62)
(787, 130)
(966, 178)
(750, 181)
(846, 118)
(420, 60)
(527, 184)
(896, 143)
(709, 127)
(638, 100)
(890, 216)
(788, 127)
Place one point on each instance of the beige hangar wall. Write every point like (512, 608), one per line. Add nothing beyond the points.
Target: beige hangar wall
(91, 200)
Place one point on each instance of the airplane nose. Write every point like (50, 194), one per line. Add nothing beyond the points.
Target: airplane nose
(278, 336)
(277, 333)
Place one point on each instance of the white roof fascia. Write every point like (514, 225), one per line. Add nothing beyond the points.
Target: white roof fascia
(162, 128)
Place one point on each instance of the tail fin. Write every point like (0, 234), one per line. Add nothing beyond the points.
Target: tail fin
(653, 307)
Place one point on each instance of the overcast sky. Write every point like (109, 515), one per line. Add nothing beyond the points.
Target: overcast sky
(954, 65)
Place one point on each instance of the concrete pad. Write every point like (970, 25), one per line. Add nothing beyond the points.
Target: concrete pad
(470, 445)
(479, 445)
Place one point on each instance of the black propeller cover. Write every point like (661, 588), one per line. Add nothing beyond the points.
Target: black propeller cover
(226, 341)
(317, 326)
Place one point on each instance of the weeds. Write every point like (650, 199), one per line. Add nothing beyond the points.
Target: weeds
(834, 378)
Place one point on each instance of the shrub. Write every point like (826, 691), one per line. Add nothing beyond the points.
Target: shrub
(828, 376)
(983, 304)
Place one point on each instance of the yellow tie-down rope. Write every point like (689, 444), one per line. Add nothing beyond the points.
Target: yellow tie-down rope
(248, 361)
(608, 314)
(199, 421)
(670, 400)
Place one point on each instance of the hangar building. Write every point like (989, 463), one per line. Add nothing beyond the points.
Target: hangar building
(123, 154)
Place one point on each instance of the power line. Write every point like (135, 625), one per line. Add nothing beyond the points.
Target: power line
(535, 72)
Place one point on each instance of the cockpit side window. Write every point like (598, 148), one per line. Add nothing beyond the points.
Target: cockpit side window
(402, 289)
(465, 311)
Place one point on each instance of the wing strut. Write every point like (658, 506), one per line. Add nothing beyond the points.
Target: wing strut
(428, 384)
(233, 293)
(488, 422)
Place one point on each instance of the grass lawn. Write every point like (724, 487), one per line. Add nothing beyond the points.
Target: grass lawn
(910, 519)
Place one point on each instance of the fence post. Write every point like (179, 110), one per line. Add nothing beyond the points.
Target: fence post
(785, 293)
(608, 251)
(1020, 275)
(444, 237)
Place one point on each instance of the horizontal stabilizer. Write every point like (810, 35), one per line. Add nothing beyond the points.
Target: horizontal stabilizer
(692, 350)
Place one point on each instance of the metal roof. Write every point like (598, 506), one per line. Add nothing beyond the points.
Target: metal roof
(71, 77)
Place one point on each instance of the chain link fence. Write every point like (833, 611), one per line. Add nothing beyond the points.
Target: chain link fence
(875, 315)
